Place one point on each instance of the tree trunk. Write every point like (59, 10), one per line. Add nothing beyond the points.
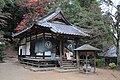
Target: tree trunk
(118, 53)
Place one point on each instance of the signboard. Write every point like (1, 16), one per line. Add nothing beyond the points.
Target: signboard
(48, 44)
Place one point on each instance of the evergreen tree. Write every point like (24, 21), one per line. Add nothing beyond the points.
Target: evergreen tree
(87, 15)
(115, 23)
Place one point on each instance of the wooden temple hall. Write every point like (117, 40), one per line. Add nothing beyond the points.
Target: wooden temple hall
(50, 41)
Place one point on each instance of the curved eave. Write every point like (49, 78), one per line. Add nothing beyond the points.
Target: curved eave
(52, 15)
(18, 33)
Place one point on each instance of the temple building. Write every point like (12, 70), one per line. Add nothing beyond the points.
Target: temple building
(51, 38)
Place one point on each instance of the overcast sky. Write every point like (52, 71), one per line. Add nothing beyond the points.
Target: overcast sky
(110, 9)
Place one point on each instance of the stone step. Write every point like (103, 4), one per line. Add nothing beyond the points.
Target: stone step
(42, 69)
(66, 70)
(69, 67)
(67, 63)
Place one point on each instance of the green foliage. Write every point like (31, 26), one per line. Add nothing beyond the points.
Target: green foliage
(2, 47)
(83, 13)
(86, 3)
(1, 56)
(114, 20)
(2, 32)
(88, 16)
(4, 3)
(100, 62)
(112, 65)
(16, 14)
(3, 19)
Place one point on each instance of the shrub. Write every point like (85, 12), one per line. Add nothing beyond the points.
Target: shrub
(2, 48)
(100, 62)
(1, 56)
(112, 65)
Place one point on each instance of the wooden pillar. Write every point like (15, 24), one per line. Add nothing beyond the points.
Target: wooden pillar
(77, 56)
(36, 34)
(30, 46)
(86, 62)
(77, 59)
(44, 45)
(60, 48)
(63, 50)
(20, 50)
(94, 62)
(25, 45)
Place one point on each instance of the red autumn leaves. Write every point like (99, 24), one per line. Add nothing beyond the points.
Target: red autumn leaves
(37, 8)
(24, 22)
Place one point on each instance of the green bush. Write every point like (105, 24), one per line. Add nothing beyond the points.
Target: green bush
(100, 62)
(1, 56)
(112, 65)
(2, 48)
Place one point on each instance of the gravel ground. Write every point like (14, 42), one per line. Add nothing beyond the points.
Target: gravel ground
(11, 70)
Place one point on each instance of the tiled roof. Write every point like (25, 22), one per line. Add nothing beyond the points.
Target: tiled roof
(111, 52)
(59, 27)
(62, 28)
(56, 27)
(87, 47)
(51, 15)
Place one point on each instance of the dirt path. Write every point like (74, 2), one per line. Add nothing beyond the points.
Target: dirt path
(14, 71)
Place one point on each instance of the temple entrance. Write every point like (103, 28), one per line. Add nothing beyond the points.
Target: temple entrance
(68, 55)
(32, 48)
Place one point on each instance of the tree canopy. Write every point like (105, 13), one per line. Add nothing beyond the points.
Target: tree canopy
(87, 15)
(114, 20)
(23, 12)
(84, 13)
